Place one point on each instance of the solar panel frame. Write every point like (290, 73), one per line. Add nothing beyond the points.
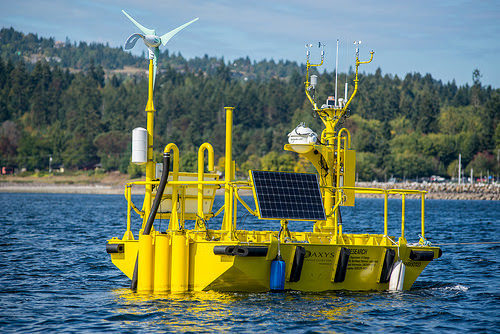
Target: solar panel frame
(287, 195)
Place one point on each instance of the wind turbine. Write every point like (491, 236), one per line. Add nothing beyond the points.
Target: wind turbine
(151, 40)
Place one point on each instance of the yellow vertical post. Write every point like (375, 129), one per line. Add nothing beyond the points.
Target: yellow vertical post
(174, 218)
(329, 200)
(423, 216)
(385, 214)
(128, 233)
(228, 214)
(234, 201)
(145, 263)
(183, 208)
(145, 260)
(162, 263)
(180, 262)
(150, 165)
(338, 178)
(201, 171)
(403, 216)
(128, 194)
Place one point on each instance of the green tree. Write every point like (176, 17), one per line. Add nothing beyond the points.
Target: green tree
(111, 147)
(9, 141)
(482, 163)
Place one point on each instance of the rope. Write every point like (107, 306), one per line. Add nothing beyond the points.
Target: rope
(393, 242)
(468, 243)
(423, 241)
(205, 223)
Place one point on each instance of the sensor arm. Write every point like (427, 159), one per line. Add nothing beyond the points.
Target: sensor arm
(356, 80)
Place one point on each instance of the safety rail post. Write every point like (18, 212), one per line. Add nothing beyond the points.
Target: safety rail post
(423, 215)
(386, 195)
(403, 215)
(128, 195)
(201, 171)
(174, 219)
(128, 190)
(234, 201)
(339, 201)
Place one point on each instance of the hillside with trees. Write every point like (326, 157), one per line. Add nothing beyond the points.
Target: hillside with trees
(75, 104)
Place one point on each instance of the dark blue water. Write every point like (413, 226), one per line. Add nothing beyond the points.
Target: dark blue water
(55, 276)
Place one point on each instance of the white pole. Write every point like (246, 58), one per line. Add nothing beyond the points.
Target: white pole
(471, 176)
(336, 72)
(459, 167)
(345, 93)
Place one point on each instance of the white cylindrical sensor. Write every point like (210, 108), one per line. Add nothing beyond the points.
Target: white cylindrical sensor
(139, 146)
(314, 80)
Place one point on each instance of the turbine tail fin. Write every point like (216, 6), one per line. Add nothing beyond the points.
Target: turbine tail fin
(130, 43)
(142, 28)
(166, 37)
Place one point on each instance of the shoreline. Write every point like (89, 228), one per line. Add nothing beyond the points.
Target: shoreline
(447, 191)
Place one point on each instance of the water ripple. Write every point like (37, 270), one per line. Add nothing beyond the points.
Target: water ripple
(57, 277)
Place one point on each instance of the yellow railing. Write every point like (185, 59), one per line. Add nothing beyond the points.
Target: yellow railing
(178, 185)
(246, 185)
(386, 193)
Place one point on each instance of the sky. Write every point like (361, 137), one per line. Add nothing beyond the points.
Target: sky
(447, 38)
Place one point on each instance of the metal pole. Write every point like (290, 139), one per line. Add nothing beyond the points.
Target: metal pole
(150, 164)
(228, 163)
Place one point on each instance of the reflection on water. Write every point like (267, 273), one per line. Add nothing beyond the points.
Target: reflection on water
(220, 311)
(180, 312)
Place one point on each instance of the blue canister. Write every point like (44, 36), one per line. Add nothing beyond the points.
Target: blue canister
(277, 279)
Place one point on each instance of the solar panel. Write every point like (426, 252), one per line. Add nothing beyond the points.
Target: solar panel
(286, 195)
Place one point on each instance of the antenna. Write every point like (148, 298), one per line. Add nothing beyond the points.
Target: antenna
(346, 71)
(336, 72)
(357, 43)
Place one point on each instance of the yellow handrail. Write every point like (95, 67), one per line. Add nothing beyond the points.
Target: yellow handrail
(201, 172)
(386, 193)
(174, 221)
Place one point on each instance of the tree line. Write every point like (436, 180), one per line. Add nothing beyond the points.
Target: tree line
(408, 127)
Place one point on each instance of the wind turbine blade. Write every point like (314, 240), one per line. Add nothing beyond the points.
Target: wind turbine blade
(145, 30)
(130, 43)
(155, 64)
(166, 37)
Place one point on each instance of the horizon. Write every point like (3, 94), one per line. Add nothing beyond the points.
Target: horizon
(425, 37)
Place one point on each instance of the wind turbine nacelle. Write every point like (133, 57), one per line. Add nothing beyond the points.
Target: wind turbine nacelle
(152, 41)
